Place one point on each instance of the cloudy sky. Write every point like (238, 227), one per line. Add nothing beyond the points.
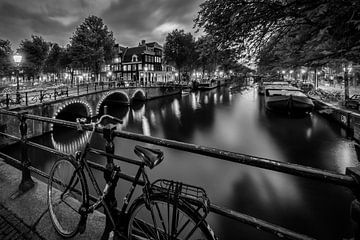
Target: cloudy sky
(130, 20)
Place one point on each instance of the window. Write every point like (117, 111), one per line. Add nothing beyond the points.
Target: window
(140, 67)
(133, 67)
(134, 58)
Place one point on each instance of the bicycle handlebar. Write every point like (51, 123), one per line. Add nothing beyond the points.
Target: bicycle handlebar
(104, 118)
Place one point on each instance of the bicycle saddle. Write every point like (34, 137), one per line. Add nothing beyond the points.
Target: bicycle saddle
(151, 157)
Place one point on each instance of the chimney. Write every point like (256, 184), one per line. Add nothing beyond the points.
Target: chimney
(143, 42)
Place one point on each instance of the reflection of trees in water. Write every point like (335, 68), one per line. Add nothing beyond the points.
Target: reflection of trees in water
(313, 141)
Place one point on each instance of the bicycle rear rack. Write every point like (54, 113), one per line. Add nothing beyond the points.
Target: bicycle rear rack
(196, 196)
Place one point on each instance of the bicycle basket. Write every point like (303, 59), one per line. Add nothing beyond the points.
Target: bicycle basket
(196, 196)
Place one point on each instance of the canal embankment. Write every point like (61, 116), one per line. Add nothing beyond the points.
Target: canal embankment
(31, 207)
(347, 119)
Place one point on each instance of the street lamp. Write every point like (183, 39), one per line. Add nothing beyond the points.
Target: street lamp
(17, 59)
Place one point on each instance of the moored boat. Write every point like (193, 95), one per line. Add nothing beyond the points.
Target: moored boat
(263, 85)
(288, 100)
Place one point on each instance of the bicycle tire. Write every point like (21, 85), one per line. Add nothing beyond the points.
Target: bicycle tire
(64, 207)
(139, 213)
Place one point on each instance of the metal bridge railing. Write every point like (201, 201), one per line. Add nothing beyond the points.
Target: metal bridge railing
(349, 180)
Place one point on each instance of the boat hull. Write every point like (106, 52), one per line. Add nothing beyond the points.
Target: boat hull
(291, 105)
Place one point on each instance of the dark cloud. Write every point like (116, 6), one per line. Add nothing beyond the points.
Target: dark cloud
(131, 21)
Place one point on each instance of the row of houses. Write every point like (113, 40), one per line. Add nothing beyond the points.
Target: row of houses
(140, 65)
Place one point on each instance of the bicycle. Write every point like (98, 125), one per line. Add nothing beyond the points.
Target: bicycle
(165, 210)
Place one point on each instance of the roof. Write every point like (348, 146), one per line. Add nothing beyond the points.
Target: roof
(133, 51)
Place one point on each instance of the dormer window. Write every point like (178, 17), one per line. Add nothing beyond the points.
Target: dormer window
(134, 58)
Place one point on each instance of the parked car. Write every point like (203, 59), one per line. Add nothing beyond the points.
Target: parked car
(353, 102)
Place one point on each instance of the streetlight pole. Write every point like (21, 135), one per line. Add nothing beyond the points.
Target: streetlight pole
(17, 59)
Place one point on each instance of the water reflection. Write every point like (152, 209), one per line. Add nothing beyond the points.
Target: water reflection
(237, 122)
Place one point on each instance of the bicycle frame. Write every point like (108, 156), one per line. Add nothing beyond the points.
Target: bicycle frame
(81, 159)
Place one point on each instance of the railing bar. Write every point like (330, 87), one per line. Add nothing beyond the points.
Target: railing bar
(47, 149)
(279, 231)
(11, 161)
(124, 159)
(290, 168)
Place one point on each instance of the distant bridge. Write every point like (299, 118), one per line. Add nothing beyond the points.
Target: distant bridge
(70, 103)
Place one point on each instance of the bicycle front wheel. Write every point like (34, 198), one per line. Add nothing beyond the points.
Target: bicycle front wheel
(66, 194)
(165, 219)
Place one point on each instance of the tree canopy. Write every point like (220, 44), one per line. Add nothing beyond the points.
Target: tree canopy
(5, 57)
(34, 53)
(179, 49)
(305, 29)
(92, 44)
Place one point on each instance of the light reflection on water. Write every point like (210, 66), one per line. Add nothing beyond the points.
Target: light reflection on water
(237, 122)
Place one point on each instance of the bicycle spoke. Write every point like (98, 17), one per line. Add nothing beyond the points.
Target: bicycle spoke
(161, 217)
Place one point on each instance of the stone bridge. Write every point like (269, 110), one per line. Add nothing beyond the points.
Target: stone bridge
(81, 104)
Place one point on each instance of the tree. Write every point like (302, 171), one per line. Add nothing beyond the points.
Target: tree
(307, 31)
(5, 57)
(179, 50)
(91, 45)
(35, 52)
(207, 53)
(53, 60)
(251, 24)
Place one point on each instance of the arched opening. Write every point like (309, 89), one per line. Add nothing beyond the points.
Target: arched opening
(113, 100)
(72, 111)
(139, 95)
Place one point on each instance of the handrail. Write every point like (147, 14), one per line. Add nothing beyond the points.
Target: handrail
(265, 163)
(349, 180)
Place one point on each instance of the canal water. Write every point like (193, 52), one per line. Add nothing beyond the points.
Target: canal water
(236, 121)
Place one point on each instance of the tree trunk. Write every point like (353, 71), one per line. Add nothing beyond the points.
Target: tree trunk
(346, 81)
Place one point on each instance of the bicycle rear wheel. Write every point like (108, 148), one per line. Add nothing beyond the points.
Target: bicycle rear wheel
(66, 194)
(165, 219)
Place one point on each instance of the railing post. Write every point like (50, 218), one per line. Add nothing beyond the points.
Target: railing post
(110, 198)
(7, 100)
(41, 97)
(26, 180)
(355, 204)
(26, 98)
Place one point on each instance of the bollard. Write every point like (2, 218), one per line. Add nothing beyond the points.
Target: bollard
(26, 98)
(87, 88)
(26, 181)
(110, 199)
(355, 204)
(55, 94)
(78, 90)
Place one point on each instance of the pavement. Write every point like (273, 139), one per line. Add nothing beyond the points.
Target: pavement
(12, 227)
(25, 215)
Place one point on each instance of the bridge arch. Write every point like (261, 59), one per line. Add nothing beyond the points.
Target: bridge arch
(111, 98)
(73, 109)
(138, 95)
